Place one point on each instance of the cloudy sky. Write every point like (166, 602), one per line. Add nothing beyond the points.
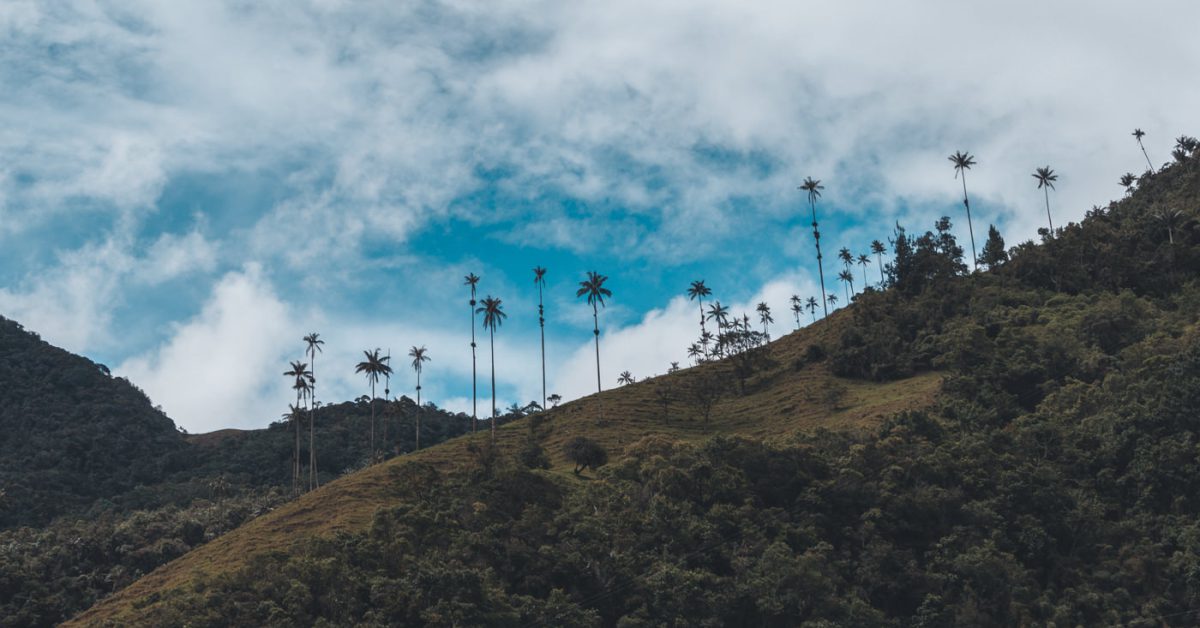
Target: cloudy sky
(188, 187)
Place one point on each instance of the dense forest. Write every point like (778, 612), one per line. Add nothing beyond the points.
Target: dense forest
(1050, 485)
(98, 487)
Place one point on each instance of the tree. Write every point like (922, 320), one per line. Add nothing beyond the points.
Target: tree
(704, 390)
(664, 394)
(1046, 178)
(300, 376)
(719, 314)
(472, 280)
(864, 260)
(1185, 146)
(673, 368)
(1138, 134)
(585, 452)
(832, 299)
(374, 365)
(764, 316)
(797, 307)
(814, 187)
(593, 288)
(554, 399)
(493, 317)
(698, 291)
(962, 163)
(295, 414)
(811, 304)
(1170, 218)
(878, 248)
(1127, 181)
(847, 278)
(419, 355)
(994, 253)
(625, 378)
(539, 279)
(313, 344)
(695, 352)
(847, 257)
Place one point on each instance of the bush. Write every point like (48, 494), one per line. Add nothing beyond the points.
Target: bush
(585, 452)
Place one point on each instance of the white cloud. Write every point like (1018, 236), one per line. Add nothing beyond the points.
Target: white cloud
(218, 369)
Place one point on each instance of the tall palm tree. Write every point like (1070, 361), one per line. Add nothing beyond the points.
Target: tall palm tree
(764, 316)
(832, 299)
(719, 314)
(493, 317)
(814, 187)
(1046, 178)
(1138, 134)
(374, 365)
(300, 374)
(811, 304)
(472, 280)
(419, 355)
(539, 279)
(593, 288)
(625, 378)
(295, 415)
(879, 249)
(1170, 218)
(797, 307)
(846, 256)
(847, 278)
(694, 352)
(698, 291)
(313, 344)
(864, 260)
(962, 163)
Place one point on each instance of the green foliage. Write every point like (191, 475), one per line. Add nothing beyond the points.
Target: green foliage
(585, 452)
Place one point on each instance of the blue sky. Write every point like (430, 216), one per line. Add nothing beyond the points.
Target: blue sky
(187, 188)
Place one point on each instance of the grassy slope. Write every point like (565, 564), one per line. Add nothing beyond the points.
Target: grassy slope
(779, 400)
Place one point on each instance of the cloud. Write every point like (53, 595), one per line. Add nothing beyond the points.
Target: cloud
(217, 369)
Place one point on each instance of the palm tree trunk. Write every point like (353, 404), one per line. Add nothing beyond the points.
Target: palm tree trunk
(817, 239)
(542, 327)
(880, 256)
(596, 334)
(474, 389)
(970, 227)
(702, 329)
(1051, 220)
(864, 277)
(312, 417)
(1148, 164)
(493, 341)
(372, 422)
(418, 415)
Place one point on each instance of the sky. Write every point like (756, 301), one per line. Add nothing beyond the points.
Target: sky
(187, 188)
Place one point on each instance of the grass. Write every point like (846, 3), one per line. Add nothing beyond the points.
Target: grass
(789, 395)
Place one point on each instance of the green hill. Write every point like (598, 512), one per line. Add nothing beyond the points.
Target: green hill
(1023, 450)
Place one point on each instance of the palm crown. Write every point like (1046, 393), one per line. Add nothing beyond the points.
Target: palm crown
(471, 280)
(493, 313)
(539, 276)
(593, 288)
(1045, 177)
(698, 290)
(374, 365)
(813, 187)
(962, 161)
(420, 355)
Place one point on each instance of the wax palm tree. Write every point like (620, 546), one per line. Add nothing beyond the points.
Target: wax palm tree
(539, 279)
(864, 260)
(698, 291)
(1046, 178)
(814, 187)
(625, 378)
(374, 365)
(694, 352)
(419, 355)
(1127, 181)
(797, 307)
(1170, 218)
(847, 278)
(1138, 134)
(832, 299)
(493, 317)
(593, 288)
(472, 280)
(878, 248)
(313, 344)
(962, 163)
(295, 415)
(299, 373)
(719, 314)
(811, 304)
(846, 256)
(764, 316)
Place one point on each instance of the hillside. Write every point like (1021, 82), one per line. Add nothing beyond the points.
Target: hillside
(790, 394)
(1027, 454)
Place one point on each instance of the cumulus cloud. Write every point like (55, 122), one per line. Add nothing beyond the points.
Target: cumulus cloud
(218, 368)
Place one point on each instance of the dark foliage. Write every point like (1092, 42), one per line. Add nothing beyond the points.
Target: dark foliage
(584, 453)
